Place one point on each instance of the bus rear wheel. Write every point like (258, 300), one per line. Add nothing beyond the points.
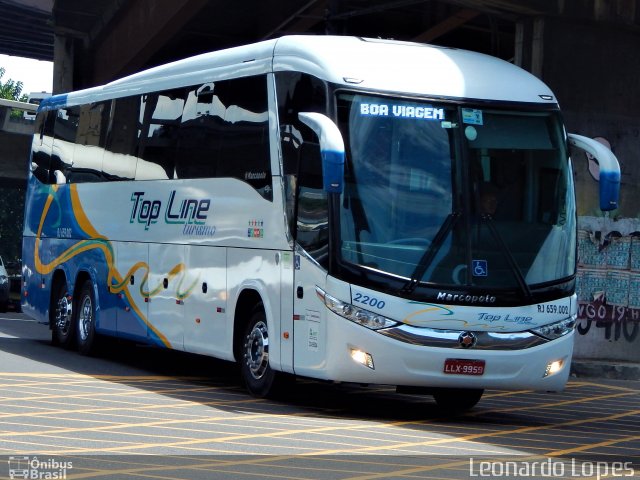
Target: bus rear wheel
(62, 331)
(457, 400)
(257, 374)
(85, 319)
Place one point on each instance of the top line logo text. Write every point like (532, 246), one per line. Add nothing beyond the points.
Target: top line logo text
(177, 211)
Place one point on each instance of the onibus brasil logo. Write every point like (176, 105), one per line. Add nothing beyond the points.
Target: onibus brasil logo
(38, 469)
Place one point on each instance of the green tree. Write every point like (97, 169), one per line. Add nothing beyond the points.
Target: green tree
(10, 89)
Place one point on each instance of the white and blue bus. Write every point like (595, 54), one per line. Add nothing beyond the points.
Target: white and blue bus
(344, 209)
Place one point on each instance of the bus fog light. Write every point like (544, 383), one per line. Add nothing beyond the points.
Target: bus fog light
(554, 367)
(362, 358)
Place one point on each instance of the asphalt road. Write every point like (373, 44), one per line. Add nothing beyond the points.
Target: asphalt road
(137, 412)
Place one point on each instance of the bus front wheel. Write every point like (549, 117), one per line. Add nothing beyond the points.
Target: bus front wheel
(85, 319)
(256, 372)
(457, 400)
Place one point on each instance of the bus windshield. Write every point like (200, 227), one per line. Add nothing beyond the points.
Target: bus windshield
(442, 194)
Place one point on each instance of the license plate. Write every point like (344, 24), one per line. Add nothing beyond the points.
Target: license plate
(456, 366)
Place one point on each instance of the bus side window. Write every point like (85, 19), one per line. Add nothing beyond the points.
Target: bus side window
(64, 143)
(158, 142)
(90, 142)
(200, 133)
(225, 133)
(119, 161)
(244, 147)
(41, 145)
(296, 92)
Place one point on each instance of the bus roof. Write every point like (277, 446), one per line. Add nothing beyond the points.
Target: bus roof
(372, 64)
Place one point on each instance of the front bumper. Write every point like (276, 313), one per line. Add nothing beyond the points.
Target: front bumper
(397, 362)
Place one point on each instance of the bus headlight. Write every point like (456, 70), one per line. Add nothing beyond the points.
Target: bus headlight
(358, 315)
(556, 330)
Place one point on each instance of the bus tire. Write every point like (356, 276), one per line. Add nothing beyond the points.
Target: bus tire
(62, 330)
(457, 400)
(257, 375)
(85, 320)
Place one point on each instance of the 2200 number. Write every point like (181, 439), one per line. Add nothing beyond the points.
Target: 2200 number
(367, 300)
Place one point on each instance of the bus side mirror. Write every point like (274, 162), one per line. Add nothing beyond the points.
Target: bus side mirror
(331, 149)
(609, 176)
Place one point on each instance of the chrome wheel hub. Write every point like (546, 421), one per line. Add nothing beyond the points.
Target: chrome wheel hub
(63, 314)
(257, 350)
(85, 318)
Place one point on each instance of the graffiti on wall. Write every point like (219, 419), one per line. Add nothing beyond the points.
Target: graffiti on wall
(616, 323)
(608, 282)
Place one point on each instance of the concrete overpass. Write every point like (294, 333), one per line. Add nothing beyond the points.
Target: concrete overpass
(86, 38)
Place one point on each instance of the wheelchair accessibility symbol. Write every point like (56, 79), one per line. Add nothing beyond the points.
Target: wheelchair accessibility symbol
(480, 268)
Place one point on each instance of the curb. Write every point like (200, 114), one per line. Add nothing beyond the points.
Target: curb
(603, 369)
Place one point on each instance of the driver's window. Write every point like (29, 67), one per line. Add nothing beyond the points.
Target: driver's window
(301, 162)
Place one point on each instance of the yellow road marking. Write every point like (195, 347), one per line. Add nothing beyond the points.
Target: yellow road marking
(376, 449)
(137, 392)
(364, 427)
(102, 410)
(552, 404)
(611, 387)
(606, 443)
(162, 422)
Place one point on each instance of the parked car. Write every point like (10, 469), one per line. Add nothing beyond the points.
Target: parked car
(4, 287)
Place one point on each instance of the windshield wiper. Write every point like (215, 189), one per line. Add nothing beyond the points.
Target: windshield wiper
(515, 269)
(430, 253)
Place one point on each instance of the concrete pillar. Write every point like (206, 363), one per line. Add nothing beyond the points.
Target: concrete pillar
(63, 58)
(529, 44)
